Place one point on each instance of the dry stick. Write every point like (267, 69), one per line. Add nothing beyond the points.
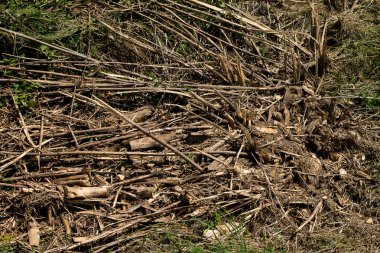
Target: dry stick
(46, 174)
(104, 105)
(225, 99)
(245, 20)
(108, 140)
(117, 86)
(245, 29)
(95, 238)
(239, 152)
(269, 183)
(128, 38)
(118, 241)
(66, 223)
(47, 73)
(110, 63)
(116, 196)
(22, 122)
(208, 36)
(40, 140)
(202, 118)
(62, 49)
(316, 210)
(227, 117)
(158, 90)
(7, 159)
(214, 158)
(20, 156)
(74, 137)
(13, 185)
(123, 153)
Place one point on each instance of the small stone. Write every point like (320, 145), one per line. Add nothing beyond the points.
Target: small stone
(369, 221)
(343, 173)
(211, 234)
(121, 177)
(150, 165)
(178, 188)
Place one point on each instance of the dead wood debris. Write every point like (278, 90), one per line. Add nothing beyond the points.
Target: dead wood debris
(249, 133)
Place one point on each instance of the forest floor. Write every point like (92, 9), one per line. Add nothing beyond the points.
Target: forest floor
(189, 126)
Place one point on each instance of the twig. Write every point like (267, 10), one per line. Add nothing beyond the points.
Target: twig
(239, 152)
(22, 122)
(122, 153)
(16, 159)
(316, 210)
(95, 238)
(62, 49)
(104, 105)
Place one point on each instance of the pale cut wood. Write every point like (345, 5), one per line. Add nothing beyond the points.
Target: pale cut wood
(34, 234)
(87, 192)
(148, 142)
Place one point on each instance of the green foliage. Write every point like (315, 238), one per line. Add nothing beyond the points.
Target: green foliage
(363, 52)
(24, 94)
(50, 54)
(4, 244)
(236, 244)
(368, 97)
(25, 86)
(359, 48)
(273, 250)
(183, 49)
(7, 249)
(158, 81)
(8, 61)
(218, 3)
(48, 20)
(25, 100)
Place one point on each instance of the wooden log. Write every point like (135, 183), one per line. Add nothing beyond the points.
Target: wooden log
(199, 136)
(66, 223)
(50, 215)
(87, 192)
(150, 143)
(34, 235)
(140, 114)
(144, 192)
(79, 239)
(102, 181)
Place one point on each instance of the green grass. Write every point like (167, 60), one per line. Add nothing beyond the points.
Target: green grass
(45, 19)
(188, 237)
(5, 247)
(363, 55)
(236, 244)
(357, 68)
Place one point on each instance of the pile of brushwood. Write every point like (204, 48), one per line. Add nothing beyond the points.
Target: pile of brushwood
(175, 125)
